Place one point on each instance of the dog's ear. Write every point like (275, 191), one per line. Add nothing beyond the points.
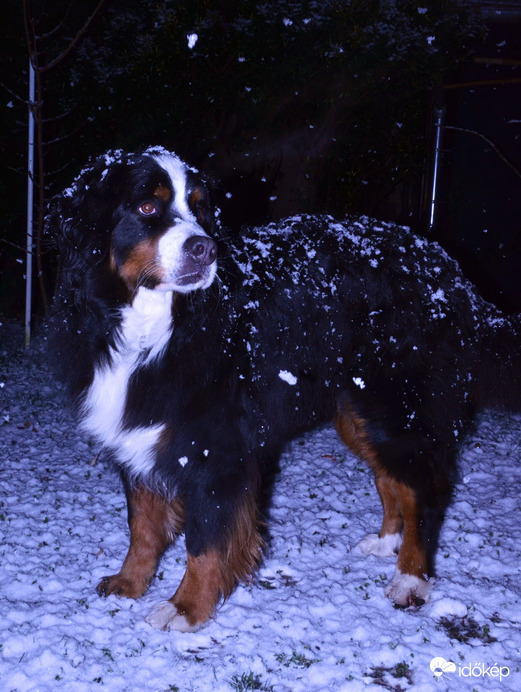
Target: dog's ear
(80, 219)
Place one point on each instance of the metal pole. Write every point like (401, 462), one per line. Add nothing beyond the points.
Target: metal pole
(30, 197)
(439, 114)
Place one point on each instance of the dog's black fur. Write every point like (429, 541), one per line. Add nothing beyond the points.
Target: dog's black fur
(310, 320)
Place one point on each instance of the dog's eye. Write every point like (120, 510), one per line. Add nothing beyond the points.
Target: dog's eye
(147, 209)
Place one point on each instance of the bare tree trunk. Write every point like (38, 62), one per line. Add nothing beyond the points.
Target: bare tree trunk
(30, 208)
(41, 195)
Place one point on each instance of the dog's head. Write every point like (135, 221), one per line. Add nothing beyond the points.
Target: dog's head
(145, 217)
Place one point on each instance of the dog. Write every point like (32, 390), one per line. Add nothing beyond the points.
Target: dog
(193, 358)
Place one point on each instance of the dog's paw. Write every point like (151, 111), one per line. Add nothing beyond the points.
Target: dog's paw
(165, 616)
(387, 546)
(119, 586)
(406, 590)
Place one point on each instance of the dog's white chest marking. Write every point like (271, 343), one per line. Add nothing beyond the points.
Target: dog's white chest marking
(145, 331)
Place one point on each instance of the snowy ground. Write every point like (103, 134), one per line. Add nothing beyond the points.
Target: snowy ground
(316, 618)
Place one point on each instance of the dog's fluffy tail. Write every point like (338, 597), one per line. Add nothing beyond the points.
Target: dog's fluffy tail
(499, 370)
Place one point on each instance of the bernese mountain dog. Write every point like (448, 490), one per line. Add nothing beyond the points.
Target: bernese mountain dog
(193, 358)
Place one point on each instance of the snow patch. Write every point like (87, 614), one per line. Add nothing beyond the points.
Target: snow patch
(288, 377)
(444, 607)
(439, 295)
(192, 40)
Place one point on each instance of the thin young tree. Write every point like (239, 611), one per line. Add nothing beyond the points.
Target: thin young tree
(38, 67)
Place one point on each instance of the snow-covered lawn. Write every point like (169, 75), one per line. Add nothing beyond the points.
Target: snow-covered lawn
(315, 619)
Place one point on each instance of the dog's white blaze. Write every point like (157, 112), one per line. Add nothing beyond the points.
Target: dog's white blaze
(145, 330)
(176, 170)
(170, 246)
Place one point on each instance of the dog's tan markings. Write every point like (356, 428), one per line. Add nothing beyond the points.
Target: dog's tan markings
(353, 432)
(163, 192)
(412, 558)
(139, 263)
(113, 265)
(154, 522)
(392, 521)
(199, 591)
(244, 548)
(195, 196)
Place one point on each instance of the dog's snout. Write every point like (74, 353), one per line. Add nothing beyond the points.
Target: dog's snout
(201, 249)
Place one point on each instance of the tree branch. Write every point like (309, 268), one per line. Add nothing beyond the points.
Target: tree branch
(74, 41)
(489, 142)
(17, 247)
(14, 94)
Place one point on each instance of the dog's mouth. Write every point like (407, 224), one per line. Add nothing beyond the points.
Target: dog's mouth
(191, 278)
(187, 281)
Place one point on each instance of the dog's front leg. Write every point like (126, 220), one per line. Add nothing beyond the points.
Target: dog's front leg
(217, 560)
(194, 601)
(153, 521)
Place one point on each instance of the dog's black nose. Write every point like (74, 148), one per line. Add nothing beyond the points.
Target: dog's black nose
(201, 249)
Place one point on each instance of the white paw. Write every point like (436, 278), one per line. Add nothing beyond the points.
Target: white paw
(164, 616)
(387, 546)
(407, 590)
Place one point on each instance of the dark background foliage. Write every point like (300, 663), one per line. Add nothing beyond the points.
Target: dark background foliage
(286, 107)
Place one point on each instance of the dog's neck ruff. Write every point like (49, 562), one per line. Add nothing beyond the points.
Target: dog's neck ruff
(145, 330)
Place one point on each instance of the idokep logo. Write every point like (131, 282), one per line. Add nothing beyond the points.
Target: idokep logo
(440, 666)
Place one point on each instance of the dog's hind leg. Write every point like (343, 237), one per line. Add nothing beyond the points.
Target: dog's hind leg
(213, 574)
(409, 585)
(402, 510)
(154, 521)
(353, 432)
